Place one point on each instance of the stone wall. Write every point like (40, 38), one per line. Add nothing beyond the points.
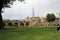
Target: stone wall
(31, 21)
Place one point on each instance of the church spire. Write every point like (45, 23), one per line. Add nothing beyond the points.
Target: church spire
(33, 14)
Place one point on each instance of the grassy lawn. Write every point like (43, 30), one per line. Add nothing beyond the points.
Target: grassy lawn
(32, 33)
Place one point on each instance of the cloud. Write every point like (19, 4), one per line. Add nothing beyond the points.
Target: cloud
(41, 7)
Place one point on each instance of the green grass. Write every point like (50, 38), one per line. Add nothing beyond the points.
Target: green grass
(32, 33)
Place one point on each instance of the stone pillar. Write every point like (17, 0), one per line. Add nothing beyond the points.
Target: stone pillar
(24, 24)
(18, 24)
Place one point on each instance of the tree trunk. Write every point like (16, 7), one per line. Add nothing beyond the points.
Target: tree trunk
(1, 21)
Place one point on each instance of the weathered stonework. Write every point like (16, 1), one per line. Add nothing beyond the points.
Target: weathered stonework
(32, 21)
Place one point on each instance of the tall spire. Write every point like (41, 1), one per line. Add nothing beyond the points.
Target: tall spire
(33, 14)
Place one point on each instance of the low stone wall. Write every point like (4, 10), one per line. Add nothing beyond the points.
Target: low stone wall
(30, 23)
(14, 23)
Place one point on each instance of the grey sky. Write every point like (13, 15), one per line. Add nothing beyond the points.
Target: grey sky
(41, 8)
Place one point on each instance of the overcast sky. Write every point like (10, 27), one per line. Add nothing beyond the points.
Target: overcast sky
(41, 7)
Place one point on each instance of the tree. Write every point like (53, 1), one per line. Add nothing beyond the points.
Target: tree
(3, 4)
(50, 17)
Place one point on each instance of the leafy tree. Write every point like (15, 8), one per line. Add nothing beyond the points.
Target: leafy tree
(50, 17)
(3, 4)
